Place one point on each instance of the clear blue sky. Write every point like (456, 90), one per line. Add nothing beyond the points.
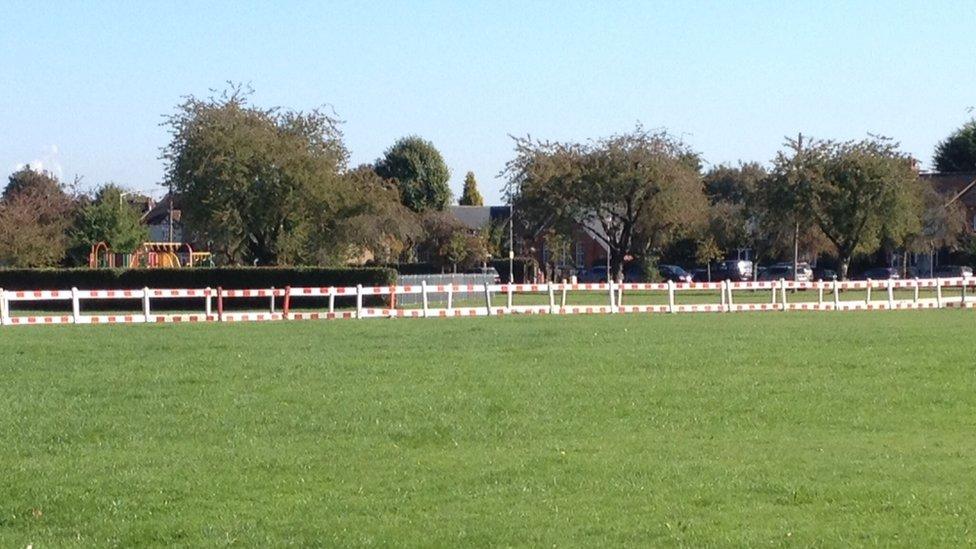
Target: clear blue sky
(84, 85)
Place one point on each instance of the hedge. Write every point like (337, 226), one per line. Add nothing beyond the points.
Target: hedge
(226, 277)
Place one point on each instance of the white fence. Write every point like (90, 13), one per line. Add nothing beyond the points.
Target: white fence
(498, 299)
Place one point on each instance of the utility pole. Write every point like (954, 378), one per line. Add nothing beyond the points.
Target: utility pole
(170, 212)
(511, 241)
(796, 220)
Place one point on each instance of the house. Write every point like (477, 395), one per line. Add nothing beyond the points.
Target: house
(476, 218)
(163, 225)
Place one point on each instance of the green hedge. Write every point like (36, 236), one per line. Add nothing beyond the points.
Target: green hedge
(226, 277)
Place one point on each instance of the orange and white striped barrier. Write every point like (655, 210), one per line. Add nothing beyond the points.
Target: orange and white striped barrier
(878, 295)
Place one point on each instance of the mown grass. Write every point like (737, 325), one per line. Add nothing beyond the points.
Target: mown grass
(714, 429)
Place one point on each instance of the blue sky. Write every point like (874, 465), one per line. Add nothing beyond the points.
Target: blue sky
(84, 85)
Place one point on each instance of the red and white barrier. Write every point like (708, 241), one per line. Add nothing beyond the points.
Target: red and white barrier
(878, 295)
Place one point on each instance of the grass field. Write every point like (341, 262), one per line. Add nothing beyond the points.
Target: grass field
(738, 429)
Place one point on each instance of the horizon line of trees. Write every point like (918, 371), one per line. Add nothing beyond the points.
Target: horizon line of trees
(273, 187)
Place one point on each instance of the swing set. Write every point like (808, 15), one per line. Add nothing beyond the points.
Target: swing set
(149, 255)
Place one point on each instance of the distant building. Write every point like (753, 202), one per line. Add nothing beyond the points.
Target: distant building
(158, 218)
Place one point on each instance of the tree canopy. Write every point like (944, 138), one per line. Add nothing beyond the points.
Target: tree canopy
(858, 193)
(633, 191)
(35, 214)
(246, 174)
(958, 152)
(470, 195)
(108, 218)
(420, 172)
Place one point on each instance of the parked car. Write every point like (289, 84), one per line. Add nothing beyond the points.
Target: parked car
(953, 271)
(674, 273)
(880, 273)
(803, 272)
(594, 274)
(824, 274)
(701, 275)
(776, 272)
(737, 270)
(491, 272)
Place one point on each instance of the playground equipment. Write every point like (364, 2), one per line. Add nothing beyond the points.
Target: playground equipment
(172, 255)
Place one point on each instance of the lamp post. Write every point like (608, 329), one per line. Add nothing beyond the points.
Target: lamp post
(511, 241)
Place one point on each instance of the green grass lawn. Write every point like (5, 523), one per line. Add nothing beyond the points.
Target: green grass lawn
(726, 429)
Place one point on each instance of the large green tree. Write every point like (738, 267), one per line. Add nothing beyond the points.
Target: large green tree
(366, 222)
(958, 152)
(633, 191)
(420, 172)
(470, 195)
(247, 175)
(109, 218)
(858, 193)
(36, 212)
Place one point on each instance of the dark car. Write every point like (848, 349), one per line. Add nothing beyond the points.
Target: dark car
(674, 273)
(824, 274)
(736, 270)
(953, 271)
(880, 273)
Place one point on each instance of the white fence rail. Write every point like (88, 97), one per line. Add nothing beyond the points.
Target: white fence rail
(495, 299)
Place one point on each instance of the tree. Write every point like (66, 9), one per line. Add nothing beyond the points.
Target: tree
(958, 152)
(369, 221)
(246, 175)
(470, 196)
(35, 214)
(420, 172)
(42, 183)
(108, 218)
(858, 193)
(634, 191)
(706, 252)
(733, 217)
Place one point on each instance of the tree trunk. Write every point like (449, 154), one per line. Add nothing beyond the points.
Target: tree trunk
(845, 263)
(617, 265)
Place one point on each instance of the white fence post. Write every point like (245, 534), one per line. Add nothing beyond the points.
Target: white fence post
(772, 299)
(488, 298)
(725, 305)
(728, 284)
(423, 298)
(836, 295)
(359, 301)
(820, 294)
(450, 296)
(4, 313)
(938, 293)
(964, 293)
(552, 299)
(620, 294)
(916, 292)
(145, 304)
(562, 300)
(891, 294)
(207, 302)
(671, 308)
(782, 293)
(272, 300)
(509, 289)
(75, 306)
(332, 293)
(867, 300)
(613, 305)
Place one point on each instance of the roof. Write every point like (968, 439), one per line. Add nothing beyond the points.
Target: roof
(476, 217)
(159, 213)
(954, 186)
